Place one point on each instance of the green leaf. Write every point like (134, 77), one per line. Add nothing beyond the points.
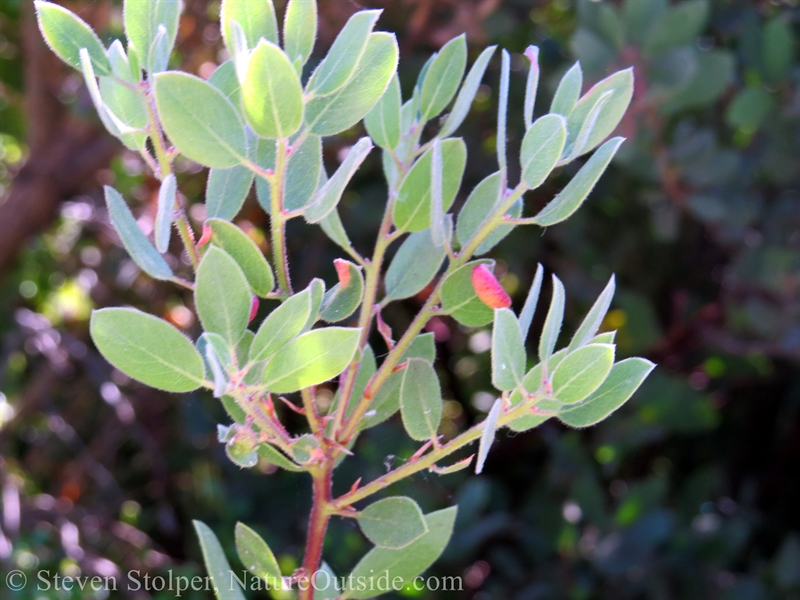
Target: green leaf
(639, 17)
(541, 148)
(714, 72)
(528, 309)
(271, 93)
(281, 326)
(487, 436)
(393, 522)
(459, 299)
(443, 77)
(333, 228)
(502, 111)
(406, 563)
(620, 84)
(466, 95)
(576, 191)
(412, 210)
(147, 349)
(271, 455)
(242, 350)
(222, 576)
(166, 208)
(591, 323)
(604, 338)
(222, 295)
(299, 30)
(66, 34)
(383, 121)
(257, 19)
(226, 191)
(387, 399)
(225, 80)
(327, 197)
(303, 173)
(342, 299)
(679, 25)
(247, 255)
(420, 400)
(568, 91)
(338, 66)
(138, 246)
(336, 112)
(317, 289)
(256, 555)
(531, 85)
(221, 353)
(749, 108)
(438, 232)
(624, 379)
(777, 48)
(128, 107)
(479, 206)
(416, 263)
(508, 351)
(581, 372)
(142, 18)
(199, 120)
(160, 50)
(112, 122)
(311, 359)
(553, 321)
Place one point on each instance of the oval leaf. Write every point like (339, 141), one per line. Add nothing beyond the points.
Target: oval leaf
(393, 522)
(383, 121)
(342, 299)
(311, 359)
(147, 349)
(199, 120)
(416, 263)
(299, 30)
(420, 400)
(459, 299)
(508, 351)
(581, 372)
(217, 565)
(66, 34)
(271, 93)
(222, 295)
(443, 77)
(541, 149)
(247, 255)
(568, 91)
(256, 555)
(328, 196)
(142, 21)
(166, 208)
(226, 191)
(257, 19)
(466, 95)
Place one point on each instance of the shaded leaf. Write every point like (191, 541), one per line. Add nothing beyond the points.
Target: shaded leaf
(328, 196)
(466, 95)
(217, 565)
(222, 295)
(541, 149)
(393, 522)
(226, 191)
(383, 121)
(553, 321)
(508, 351)
(256, 555)
(420, 400)
(247, 255)
(443, 77)
(487, 436)
(416, 263)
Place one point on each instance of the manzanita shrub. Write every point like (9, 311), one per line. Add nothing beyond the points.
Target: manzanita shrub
(262, 117)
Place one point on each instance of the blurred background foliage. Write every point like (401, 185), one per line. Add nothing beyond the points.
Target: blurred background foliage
(690, 491)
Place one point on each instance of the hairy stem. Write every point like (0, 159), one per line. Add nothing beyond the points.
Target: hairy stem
(277, 219)
(317, 524)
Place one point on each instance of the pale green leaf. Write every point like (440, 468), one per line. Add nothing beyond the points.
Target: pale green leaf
(383, 121)
(393, 522)
(406, 563)
(568, 91)
(311, 359)
(226, 191)
(437, 211)
(222, 295)
(281, 326)
(466, 95)
(416, 263)
(200, 120)
(142, 18)
(343, 299)
(257, 19)
(459, 299)
(591, 323)
(576, 191)
(271, 93)
(66, 34)
(222, 576)
(300, 30)
(420, 400)
(256, 555)
(531, 85)
(327, 197)
(271, 455)
(541, 148)
(138, 246)
(508, 351)
(336, 112)
(333, 228)
(340, 63)
(443, 77)
(553, 321)
(624, 379)
(147, 349)
(159, 52)
(620, 84)
(246, 253)
(112, 122)
(479, 206)
(225, 80)
(502, 112)
(487, 435)
(528, 309)
(128, 106)
(166, 208)
(581, 372)
(412, 210)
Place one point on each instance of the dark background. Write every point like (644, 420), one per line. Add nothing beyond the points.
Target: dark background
(691, 491)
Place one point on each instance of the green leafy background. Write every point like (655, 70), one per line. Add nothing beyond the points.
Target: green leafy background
(689, 491)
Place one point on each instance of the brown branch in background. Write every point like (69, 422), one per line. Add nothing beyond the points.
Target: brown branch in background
(65, 151)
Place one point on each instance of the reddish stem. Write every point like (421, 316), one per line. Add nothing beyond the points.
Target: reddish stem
(317, 525)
